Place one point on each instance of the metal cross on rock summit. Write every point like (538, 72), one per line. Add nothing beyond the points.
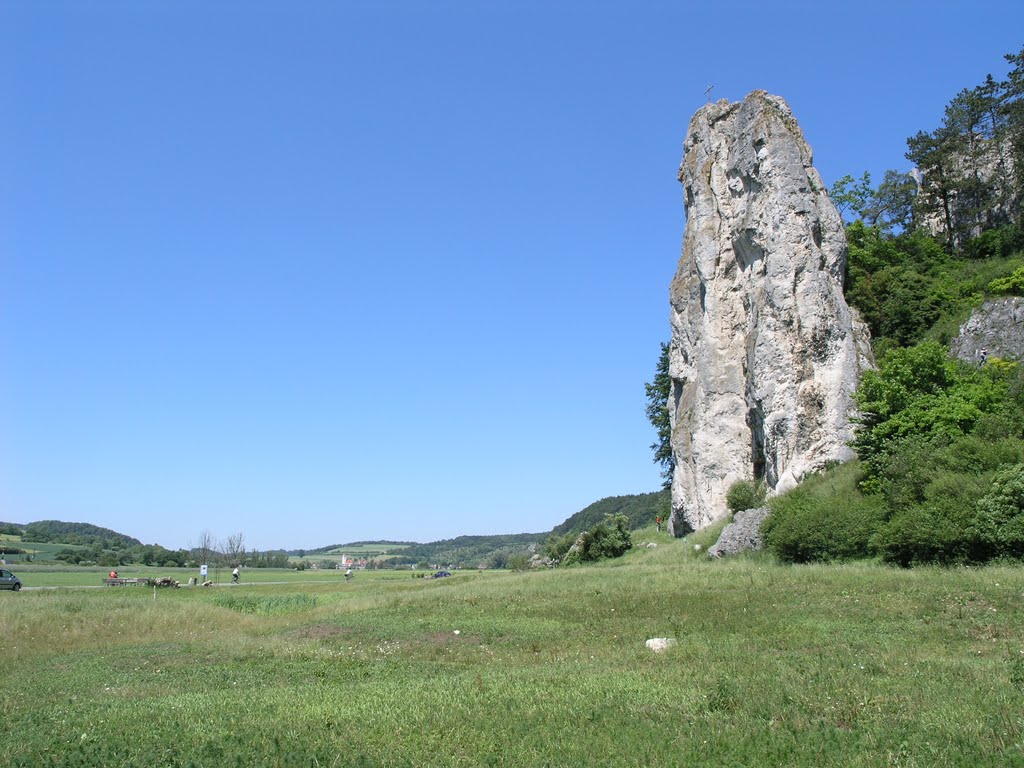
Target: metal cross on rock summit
(707, 92)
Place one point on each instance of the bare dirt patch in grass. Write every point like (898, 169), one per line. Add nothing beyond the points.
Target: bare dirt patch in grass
(446, 638)
(319, 632)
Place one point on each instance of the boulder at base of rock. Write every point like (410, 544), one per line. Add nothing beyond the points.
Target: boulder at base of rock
(743, 534)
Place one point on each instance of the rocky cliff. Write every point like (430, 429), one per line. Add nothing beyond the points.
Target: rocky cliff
(997, 327)
(765, 352)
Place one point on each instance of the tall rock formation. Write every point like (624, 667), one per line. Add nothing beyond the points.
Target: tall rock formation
(765, 352)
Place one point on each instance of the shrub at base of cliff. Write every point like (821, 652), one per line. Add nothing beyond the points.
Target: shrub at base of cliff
(609, 538)
(825, 518)
(745, 494)
(933, 490)
(965, 524)
(999, 523)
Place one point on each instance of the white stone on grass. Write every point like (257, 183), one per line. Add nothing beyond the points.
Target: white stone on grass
(660, 644)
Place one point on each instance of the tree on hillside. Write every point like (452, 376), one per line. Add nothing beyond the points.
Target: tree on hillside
(658, 393)
(889, 208)
(932, 153)
(972, 166)
(849, 194)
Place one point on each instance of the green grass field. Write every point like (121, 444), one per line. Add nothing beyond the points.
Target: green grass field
(37, 549)
(854, 665)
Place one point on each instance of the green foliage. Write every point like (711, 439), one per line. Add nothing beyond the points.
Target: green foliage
(557, 545)
(825, 518)
(519, 561)
(915, 473)
(849, 194)
(955, 512)
(998, 242)
(920, 392)
(890, 280)
(609, 538)
(999, 524)
(745, 494)
(658, 393)
(1013, 285)
(934, 433)
(889, 207)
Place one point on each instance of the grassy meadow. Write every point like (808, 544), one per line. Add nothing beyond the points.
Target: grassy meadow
(59, 575)
(857, 665)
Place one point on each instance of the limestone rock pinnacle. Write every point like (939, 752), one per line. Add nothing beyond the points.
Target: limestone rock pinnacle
(765, 352)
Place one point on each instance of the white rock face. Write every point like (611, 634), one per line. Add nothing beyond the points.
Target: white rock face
(765, 352)
(997, 327)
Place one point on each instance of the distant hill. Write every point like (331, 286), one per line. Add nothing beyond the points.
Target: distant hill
(641, 509)
(45, 531)
(381, 546)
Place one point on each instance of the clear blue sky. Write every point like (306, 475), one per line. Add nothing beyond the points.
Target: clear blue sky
(328, 271)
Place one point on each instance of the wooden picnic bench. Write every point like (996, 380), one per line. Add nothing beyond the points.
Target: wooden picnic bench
(120, 582)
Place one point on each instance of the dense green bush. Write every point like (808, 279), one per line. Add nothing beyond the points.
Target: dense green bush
(745, 494)
(930, 469)
(920, 393)
(962, 517)
(556, 546)
(609, 538)
(999, 522)
(519, 561)
(921, 534)
(825, 518)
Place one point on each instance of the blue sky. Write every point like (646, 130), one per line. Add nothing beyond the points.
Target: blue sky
(328, 271)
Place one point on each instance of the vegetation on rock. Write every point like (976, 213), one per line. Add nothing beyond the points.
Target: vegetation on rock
(609, 538)
(940, 441)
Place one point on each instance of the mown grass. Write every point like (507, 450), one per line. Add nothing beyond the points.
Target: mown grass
(847, 665)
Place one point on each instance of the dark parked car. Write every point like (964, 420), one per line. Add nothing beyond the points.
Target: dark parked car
(440, 575)
(9, 581)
